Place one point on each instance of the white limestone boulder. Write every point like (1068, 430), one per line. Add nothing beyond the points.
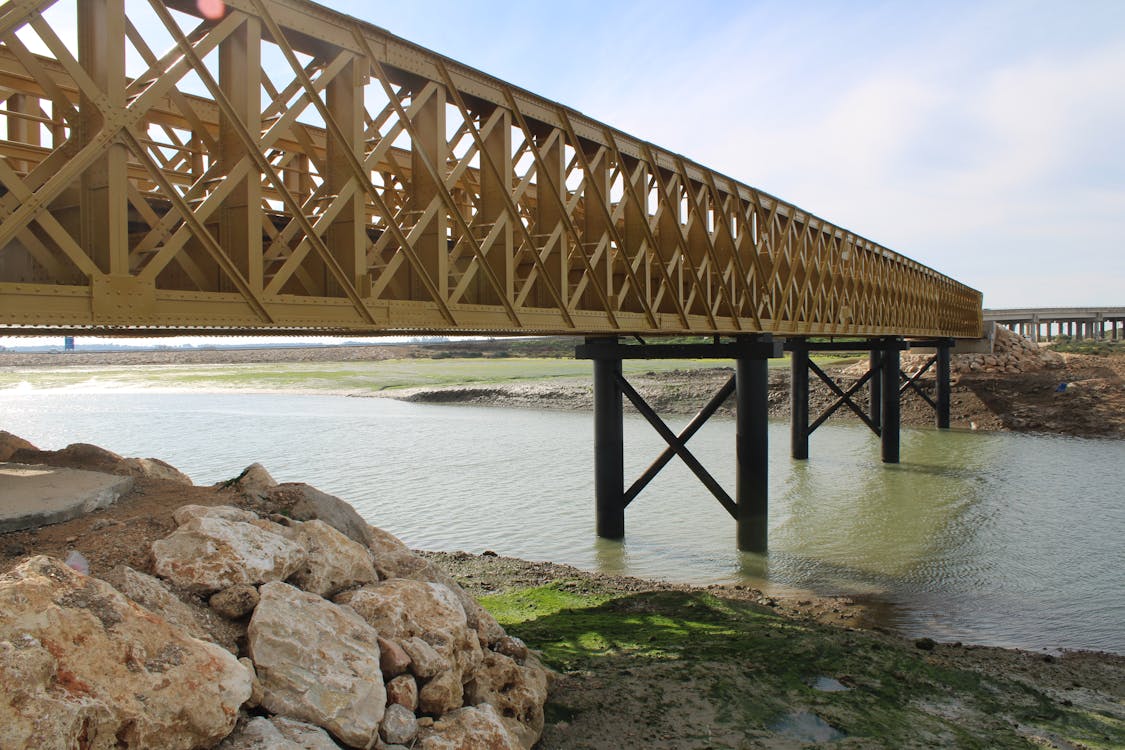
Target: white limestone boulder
(277, 733)
(399, 725)
(303, 502)
(155, 596)
(333, 563)
(306, 736)
(516, 691)
(470, 728)
(185, 513)
(209, 553)
(402, 608)
(83, 666)
(317, 662)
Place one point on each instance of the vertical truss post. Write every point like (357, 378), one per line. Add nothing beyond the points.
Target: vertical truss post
(799, 398)
(943, 384)
(889, 430)
(347, 236)
(635, 237)
(752, 418)
(551, 177)
(595, 228)
(493, 190)
(432, 245)
(103, 197)
(609, 445)
(875, 400)
(240, 220)
(24, 129)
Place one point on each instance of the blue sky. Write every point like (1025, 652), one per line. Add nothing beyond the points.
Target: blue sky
(985, 139)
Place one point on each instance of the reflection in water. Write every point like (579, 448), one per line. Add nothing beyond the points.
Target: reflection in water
(612, 557)
(988, 538)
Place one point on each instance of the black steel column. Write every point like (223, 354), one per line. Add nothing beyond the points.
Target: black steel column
(889, 430)
(943, 385)
(798, 399)
(875, 402)
(609, 450)
(752, 487)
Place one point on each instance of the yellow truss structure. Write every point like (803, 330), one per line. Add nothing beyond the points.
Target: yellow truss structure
(287, 168)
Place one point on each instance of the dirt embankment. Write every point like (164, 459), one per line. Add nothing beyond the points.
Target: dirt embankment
(1092, 404)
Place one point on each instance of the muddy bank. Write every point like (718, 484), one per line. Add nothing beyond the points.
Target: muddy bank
(657, 665)
(1092, 404)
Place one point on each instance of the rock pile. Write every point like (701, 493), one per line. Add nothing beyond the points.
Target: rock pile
(1010, 353)
(320, 632)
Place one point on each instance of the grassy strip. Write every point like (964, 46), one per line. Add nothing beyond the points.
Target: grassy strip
(756, 667)
(357, 376)
(1100, 347)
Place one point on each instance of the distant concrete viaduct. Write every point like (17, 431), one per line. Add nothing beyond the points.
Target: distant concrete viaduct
(1050, 322)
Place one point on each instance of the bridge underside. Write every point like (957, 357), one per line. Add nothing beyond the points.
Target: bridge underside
(287, 168)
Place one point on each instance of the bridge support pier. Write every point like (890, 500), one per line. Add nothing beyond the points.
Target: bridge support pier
(609, 449)
(884, 379)
(750, 386)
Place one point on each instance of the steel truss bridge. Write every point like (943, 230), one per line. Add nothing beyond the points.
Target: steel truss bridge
(287, 169)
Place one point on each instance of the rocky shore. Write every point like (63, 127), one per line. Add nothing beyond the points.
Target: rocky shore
(272, 616)
(257, 615)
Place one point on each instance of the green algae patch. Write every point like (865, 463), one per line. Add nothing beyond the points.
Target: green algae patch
(530, 604)
(716, 672)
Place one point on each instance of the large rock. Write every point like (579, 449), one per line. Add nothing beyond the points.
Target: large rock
(209, 553)
(399, 725)
(403, 690)
(236, 602)
(334, 561)
(155, 596)
(277, 733)
(154, 468)
(254, 481)
(392, 658)
(517, 691)
(425, 661)
(441, 694)
(393, 559)
(82, 666)
(318, 662)
(304, 503)
(10, 444)
(403, 608)
(185, 513)
(471, 728)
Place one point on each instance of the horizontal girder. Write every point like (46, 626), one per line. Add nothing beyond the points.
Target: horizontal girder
(287, 168)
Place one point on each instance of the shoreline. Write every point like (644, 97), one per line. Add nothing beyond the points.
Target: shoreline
(642, 663)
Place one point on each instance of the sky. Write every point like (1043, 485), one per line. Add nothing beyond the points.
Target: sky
(984, 139)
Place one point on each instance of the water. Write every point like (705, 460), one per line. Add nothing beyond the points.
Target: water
(999, 539)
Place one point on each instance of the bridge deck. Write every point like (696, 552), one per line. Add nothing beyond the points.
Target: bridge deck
(287, 168)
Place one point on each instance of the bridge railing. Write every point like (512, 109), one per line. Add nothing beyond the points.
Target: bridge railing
(286, 167)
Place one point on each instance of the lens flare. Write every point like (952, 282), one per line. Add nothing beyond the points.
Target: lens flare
(212, 10)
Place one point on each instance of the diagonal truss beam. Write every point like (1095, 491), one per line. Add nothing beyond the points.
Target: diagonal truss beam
(678, 445)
